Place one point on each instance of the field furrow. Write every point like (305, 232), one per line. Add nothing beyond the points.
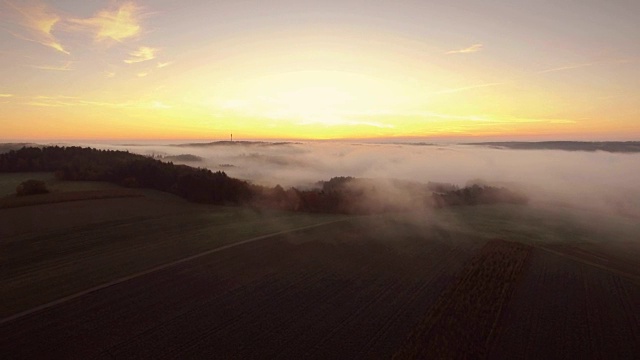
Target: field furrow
(463, 321)
(565, 308)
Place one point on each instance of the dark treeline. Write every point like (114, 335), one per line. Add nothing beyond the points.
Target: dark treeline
(338, 195)
(345, 195)
(130, 170)
(476, 195)
(351, 195)
(608, 146)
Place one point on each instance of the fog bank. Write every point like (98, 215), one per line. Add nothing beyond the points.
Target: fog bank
(599, 180)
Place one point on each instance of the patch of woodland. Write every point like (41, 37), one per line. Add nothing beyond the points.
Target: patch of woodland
(346, 195)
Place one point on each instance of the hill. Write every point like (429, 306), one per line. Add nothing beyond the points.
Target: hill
(608, 146)
(338, 195)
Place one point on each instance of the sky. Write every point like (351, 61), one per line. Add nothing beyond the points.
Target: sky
(285, 69)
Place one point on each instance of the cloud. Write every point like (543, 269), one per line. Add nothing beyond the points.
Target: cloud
(465, 88)
(328, 122)
(6, 95)
(568, 67)
(160, 105)
(52, 101)
(74, 101)
(142, 74)
(465, 120)
(425, 115)
(164, 64)
(594, 180)
(144, 53)
(38, 22)
(65, 67)
(516, 120)
(119, 24)
(471, 49)
(578, 66)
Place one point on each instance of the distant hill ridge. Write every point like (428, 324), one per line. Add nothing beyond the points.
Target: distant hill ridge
(608, 146)
(250, 143)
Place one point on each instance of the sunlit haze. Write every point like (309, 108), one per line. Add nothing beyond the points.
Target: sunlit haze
(284, 69)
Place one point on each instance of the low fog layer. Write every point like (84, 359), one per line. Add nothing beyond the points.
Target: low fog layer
(601, 180)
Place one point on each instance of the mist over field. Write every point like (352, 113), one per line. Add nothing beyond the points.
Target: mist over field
(596, 180)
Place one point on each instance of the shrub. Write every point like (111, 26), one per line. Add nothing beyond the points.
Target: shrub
(31, 187)
(130, 182)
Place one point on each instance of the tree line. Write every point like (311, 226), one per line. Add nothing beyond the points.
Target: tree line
(130, 170)
(338, 195)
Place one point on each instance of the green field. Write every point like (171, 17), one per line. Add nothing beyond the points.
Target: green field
(9, 182)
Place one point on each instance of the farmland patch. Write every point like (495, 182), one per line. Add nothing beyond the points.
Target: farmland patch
(570, 309)
(465, 319)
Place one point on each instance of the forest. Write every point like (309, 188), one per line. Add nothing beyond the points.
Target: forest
(606, 146)
(338, 195)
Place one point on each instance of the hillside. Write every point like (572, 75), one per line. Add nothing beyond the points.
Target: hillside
(607, 146)
(338, 195)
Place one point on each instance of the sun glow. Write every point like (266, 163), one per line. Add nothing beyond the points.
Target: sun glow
(322, 97)
(134, 70)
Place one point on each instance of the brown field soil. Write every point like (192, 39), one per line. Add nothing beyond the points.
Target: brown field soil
(335, 291)
(48, 253)
(621, 258)
(568, 309)
(464, 320)
(67, 216)
(356, 288)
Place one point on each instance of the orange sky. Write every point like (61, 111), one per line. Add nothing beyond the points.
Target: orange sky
(337, 69)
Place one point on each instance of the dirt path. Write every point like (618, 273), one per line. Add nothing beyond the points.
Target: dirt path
(155, 269)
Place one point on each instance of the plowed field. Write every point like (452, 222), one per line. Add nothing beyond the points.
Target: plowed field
(326, 292)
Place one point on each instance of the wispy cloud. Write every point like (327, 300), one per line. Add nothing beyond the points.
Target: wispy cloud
(118, 23)
(51, 101)
(144, 53)
(518, 120)
(164, 64)
(6, 95)
(47, 97)
(38, 22)
(471, 49)
(465, 88)
(142, 74)
(418, 114)
(567, 67)
(462, 118)
(65, 67)
(74, 101)
(160, 105)
(337, 121)
(582, 65)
